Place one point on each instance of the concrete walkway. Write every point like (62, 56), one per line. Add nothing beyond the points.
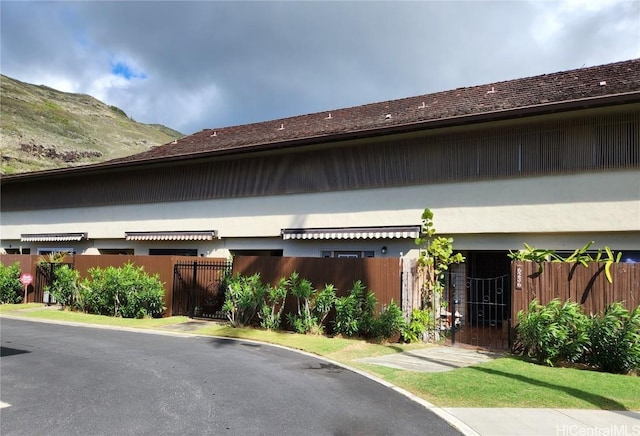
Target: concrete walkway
(509, 421)
(433, 359)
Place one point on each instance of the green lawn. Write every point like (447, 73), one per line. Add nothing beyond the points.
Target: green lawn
(504, 382)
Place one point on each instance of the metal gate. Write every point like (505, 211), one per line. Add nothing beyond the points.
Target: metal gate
(199, 288)
(45, 275)
(480, 313)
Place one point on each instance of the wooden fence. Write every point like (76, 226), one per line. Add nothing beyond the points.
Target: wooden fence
(566, 281)
(382, 276)
(161, 265)
(379, 275)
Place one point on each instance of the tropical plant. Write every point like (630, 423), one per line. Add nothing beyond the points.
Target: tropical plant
(436, 255)
(302, 289)
(580, 256)
(390, 322)
(417, 325)
(553, 333)
(355, 313)
(271, 313)
(615, 339)
(321, 305)
(65, 287)
(244, 296)
(10, 286)
(127, 291)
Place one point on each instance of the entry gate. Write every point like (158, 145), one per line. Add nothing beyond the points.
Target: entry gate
(45, 275)
(199, 287)
(477, 311)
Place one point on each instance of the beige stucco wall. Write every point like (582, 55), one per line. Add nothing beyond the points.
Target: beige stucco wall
(494, 214)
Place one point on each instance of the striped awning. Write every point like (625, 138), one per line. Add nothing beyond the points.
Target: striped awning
(52, 237)
(187, 235)
(387, 232)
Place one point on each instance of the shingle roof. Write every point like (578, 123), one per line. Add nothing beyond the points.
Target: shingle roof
(502, 97)
(584, 87)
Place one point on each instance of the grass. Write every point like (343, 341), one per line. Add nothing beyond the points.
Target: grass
(504, 382)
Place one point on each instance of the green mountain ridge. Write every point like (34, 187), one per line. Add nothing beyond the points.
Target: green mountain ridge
(42, 128)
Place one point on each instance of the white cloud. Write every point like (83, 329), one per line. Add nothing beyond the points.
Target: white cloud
(214, 64)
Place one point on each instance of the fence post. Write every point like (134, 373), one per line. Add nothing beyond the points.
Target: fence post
(52, 272)
(452, 308)
(192, 294)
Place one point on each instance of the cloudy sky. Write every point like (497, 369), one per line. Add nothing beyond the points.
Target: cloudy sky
(206, 64)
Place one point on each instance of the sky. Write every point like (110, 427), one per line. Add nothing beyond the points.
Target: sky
(213, 64)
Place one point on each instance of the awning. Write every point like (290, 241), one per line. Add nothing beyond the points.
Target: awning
(387, 232)
(52, 237)
(203, 235)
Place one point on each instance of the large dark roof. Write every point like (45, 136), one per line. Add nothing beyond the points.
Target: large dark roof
(586, 87)
(539, 92)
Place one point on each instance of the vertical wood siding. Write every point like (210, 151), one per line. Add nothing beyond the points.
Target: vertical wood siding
(588, 285)
(528, 149)
(381, 276)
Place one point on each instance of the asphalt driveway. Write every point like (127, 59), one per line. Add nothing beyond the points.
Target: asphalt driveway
(65, 380)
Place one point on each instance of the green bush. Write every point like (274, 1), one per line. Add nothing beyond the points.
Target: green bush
(416, 326)
(321, 304)
(301, 321)
(615, 340)
(10, 286)
(127, 291)
(244, 296)
(271, 313)
(391, 322)
(65, 287)
(553, 333)
(355, 313)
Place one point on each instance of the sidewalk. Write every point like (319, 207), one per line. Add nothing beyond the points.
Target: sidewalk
(545, 422)
(509, 421)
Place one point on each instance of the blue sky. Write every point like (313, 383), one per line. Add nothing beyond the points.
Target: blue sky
(208, 64)
(122, 69)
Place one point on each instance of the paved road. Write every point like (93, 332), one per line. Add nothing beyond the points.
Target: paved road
(64, 380)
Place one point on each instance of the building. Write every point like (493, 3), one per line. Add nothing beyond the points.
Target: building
(551, 160)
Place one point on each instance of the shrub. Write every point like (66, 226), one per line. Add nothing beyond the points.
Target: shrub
(243, 298)
(554, 332)
(10, 286)
(615, 340)
(321, 305)
(126, 291)
(355, 313)
(391, 322)
(301, 321)
(416, 326)
(65, 288)
(273, 305)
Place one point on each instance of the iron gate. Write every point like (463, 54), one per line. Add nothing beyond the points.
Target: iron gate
(45, 275)
(199, 288)
(474, 311)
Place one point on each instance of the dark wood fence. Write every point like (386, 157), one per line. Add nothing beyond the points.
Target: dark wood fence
(379, 275)
(382, 276)
(585, 285)
(161, 265)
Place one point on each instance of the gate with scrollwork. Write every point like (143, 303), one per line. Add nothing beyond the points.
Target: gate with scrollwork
(199, 288)
(478, 311)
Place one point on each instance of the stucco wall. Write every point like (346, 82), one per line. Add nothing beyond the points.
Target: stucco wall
(495, 214)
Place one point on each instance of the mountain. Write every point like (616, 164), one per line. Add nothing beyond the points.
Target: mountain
(42, 128)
